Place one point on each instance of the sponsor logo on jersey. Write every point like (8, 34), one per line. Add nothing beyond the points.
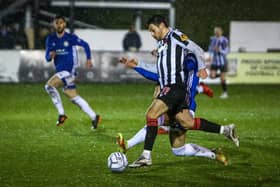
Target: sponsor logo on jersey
(66, 44)
(184, 37)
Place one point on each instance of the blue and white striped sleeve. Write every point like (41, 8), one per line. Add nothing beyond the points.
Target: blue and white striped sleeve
(225, 46)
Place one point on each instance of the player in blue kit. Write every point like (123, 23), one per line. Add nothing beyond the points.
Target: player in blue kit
(61, 48)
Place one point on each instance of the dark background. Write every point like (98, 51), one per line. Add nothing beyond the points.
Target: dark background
(195, 17)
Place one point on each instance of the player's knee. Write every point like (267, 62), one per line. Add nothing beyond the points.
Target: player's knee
(151, 115)
(179, 151)
(48, 88)
(187, 123)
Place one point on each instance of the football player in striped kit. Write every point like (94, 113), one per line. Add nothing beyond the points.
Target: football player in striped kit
(149, 71)
(172, 99)
(218, 49)
(61, 48)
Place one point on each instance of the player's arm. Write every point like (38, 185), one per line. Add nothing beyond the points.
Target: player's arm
(149, 71)
(191, 63)
(224, 49)
(50, 52)
(78, 41)
(186, 43)
(211, 49)
(144, 69)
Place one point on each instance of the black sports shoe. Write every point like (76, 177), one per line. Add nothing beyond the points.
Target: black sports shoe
(96, 122)
(61, 120)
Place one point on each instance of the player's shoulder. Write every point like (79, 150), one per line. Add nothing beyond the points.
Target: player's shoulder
(224, 38)
(51, 36)
(212, 38)
(179, 36)
(71, 35)
(68, 35)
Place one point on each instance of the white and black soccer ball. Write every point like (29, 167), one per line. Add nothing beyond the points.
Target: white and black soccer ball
(117, 162)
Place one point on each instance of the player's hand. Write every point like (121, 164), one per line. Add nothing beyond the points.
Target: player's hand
(208, 59)
(217, 49)
(89, 64)
(154, 52)
(202, 73)
(129, 63)
(52, 54)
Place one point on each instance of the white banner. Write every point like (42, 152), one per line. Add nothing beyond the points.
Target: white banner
(9, 65)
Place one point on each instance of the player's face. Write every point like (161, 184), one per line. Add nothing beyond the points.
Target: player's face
(59, 25)
(155, 31)
(218, 31)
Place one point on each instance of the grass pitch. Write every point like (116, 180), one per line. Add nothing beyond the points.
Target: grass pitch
(34, 152)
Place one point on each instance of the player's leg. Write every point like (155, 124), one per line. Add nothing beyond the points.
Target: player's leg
(179, 148)
(185, 119)
(51, 88)
(203, 88)
(213, 71)
(224, 85)
(72, 94)
(163, 124)
(138, 138)
(157, 108)
(141, 134)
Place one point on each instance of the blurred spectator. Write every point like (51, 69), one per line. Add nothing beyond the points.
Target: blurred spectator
(6, 38)
(19, 37)
(41, 38)
(132, 40)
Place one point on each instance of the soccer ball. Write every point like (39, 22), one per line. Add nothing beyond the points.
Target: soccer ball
(117, 162)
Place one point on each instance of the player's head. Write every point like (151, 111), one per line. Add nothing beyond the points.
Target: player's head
(157, 26)
(59, 24)
(218, 31)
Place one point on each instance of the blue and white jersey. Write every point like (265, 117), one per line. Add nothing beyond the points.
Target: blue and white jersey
(191, 79)
(219, 57)
(66, 58)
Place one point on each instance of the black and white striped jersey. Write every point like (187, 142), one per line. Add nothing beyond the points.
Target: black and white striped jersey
(171, 52)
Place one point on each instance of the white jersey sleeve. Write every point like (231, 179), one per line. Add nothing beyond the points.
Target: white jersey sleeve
(199, 53)
(190, 46)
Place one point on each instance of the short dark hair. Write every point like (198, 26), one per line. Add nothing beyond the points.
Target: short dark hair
(60, 17)
(157, 20)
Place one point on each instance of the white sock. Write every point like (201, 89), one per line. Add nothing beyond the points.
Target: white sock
(55, 96)
(192, 113)
(147, 154)
(202, 151)
(139, 137)
(166, 128)
(84, 106)
(199, 89)
(222, 130)
(193, 150)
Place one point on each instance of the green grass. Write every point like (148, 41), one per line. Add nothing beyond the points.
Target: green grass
(34, 152)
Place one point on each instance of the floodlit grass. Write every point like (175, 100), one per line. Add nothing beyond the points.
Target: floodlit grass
(34, 152)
